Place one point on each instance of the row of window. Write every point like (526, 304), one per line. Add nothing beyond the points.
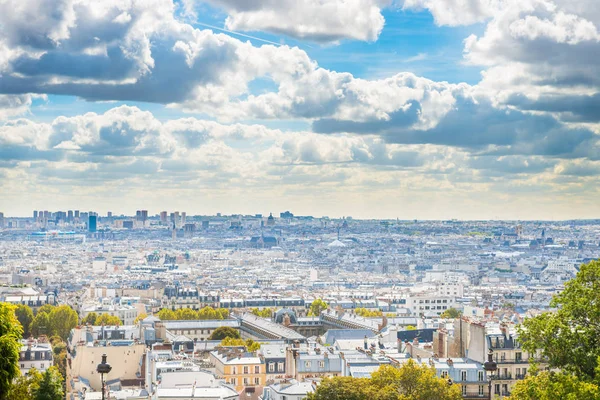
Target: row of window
(433, 301)
(245, 381)
(246, 370)
(280, 367)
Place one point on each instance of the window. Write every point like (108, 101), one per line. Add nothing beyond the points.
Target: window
(257, 369)
(245, 369)
(42, 366)
(321, 364)
(463, 376)
(43, 354)
(481, 390)
(518, 356)
(233, 382)
(464, 390)
(234, 371)
(497, 388)
(444, 374)
(257, 381)
(481, 376)
(524, 371)
(280, 367)
(271, 367)
(22, 366)
(245, 381)
(307, 364)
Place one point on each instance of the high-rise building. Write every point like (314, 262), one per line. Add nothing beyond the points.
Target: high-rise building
(109, 214)
(144, 215)
(138, 215)
(163, 217)
(70, 216)
(1, 220)
(92, 224)
(183, 215)
(35, 215)
(76, 214)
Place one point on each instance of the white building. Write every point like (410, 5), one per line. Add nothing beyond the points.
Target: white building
(288, 390)
(36, 355)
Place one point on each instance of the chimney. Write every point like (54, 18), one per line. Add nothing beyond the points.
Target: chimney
(366, 343)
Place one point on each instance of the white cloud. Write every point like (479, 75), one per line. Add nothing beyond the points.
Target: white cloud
(317, 20)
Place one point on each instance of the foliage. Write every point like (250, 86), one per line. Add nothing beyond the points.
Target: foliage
(90, 319)
(24, 386)
(411, 328)
(186, 314)
(250, 344)
(364, 312)
(46, 308)
(10, 335)
(59, 348)
(165, 314)
(570, 337)
(40, 325)
(25, 317)
(409, 382)
(451, 313)
(140, 317)
(223, 332)
(50, 387)
(108, 320)
(189, 314)
(554, 385)
(264, 313)
(316, 307)
(62, 320)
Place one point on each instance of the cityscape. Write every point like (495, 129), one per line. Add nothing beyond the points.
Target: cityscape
(319, 297)
(299, 200)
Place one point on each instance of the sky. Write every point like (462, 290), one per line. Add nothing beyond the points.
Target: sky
(426, 109)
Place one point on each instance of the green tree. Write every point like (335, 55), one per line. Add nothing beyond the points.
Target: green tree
(46, 308)
(50, 387)
(570, 337)
(342, 388)
(250, 344)
(90, 319)
(40, 325)
(264, 313)
(25, 317)
(166, 315)
(62, 320)
(24, 386)
(364, 312)
(140, 317)
(222, 313)
(548, 385)
(10, 336)
(186, 314)
(451, 313)
(207, 313)
(223, 332)
(411, 381)
(316, 307)
(108, 320)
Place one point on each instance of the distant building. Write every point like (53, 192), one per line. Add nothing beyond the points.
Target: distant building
(286, 214)
(239, 368)
(92, 223)
(264, 242)
(270, 220)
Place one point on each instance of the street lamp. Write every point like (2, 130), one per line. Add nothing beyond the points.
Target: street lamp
(490, 366)
(103, 368)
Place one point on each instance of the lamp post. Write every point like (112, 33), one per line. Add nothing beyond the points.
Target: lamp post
(490, 366)
(103, 368)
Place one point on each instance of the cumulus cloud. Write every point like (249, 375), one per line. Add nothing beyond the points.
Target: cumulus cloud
(457, 12)
(316, 20)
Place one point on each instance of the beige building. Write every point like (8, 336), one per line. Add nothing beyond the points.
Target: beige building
(239, 368)
(124, 359)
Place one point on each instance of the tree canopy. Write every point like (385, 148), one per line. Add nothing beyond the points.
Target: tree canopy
(50, 386)
(568, 339)
(250, 344)
(24, 386)
(140, 317)
(365, 312)
(10, 335)
(451, 313)
(223, 332)
(264, 313)
(62, 320)
(316, 307)
(108, 320)
(25, 317)
(411, 381)
(207, 312)
(90, 319)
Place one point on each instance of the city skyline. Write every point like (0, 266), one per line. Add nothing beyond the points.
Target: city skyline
(417, 109)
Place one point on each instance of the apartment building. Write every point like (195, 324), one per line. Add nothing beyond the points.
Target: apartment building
(239, 368)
